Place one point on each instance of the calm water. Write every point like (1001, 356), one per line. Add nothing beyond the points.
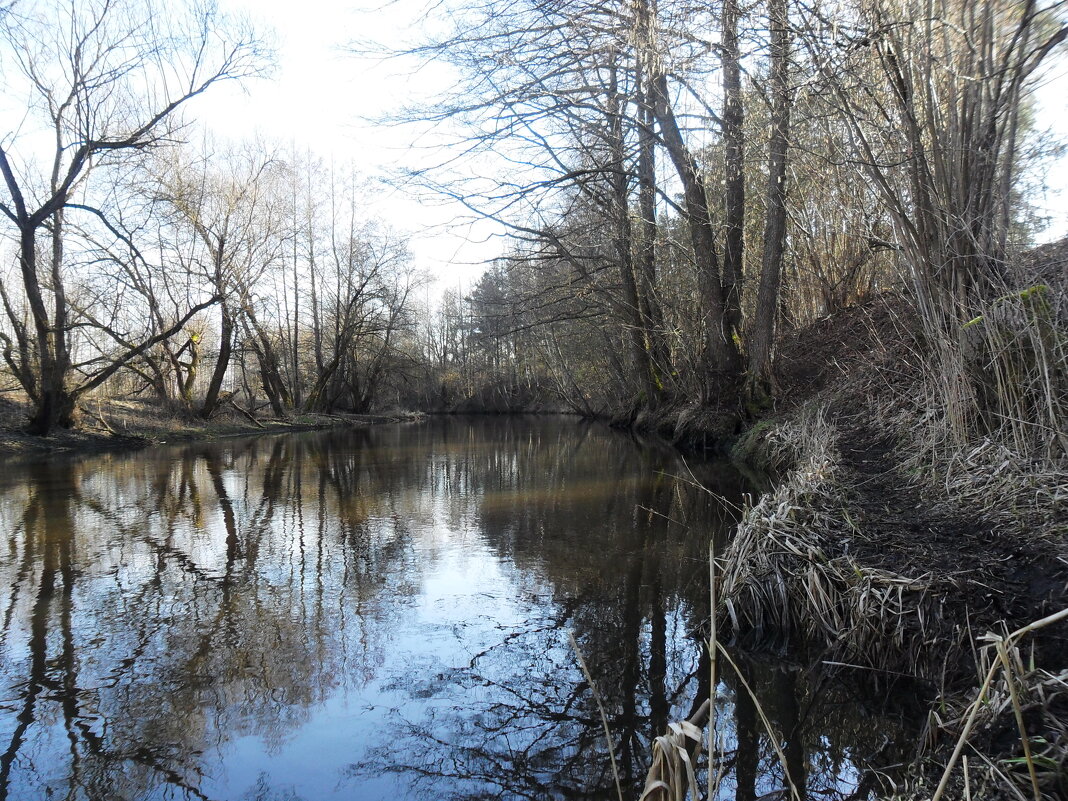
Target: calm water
(377, 614)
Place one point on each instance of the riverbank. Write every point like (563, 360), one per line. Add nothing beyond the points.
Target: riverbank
(132, 424)
(895, 545)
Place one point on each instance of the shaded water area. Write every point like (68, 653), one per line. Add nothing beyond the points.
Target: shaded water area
(379, 614)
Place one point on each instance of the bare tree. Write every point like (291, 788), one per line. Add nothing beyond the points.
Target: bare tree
(733, 162)
(109, 78)
(932, 94)
(767, 305)
(228, 201)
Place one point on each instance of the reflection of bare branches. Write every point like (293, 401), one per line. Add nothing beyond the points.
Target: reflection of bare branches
(262, 791)
(557, 623)
(533, 731)
(168, 639)
(234, 591)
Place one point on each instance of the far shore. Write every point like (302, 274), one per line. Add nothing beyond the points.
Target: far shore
(111, 425)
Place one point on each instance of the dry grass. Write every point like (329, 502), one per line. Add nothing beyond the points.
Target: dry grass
(109, 423)
(672, 775)
(786, 571)
(972, 425)
(790, 569)
(1015, 702)
(987, 422)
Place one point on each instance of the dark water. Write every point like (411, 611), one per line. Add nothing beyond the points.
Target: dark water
(378, 614)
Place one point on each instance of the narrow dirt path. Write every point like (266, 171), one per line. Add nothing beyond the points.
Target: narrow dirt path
(993, 574)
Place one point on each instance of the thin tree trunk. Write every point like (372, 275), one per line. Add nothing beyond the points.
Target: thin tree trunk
(759, 378)
(721, 352)
(23, 366)
(734, 169)
(270, 371)
(298, 391)
(647, 290)
(186, 372)
(630, 306)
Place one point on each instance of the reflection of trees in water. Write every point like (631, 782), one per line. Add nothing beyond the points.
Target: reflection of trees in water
(528, 726)
(828, 723)
(620, 545)
(162, 605)
(157, 607)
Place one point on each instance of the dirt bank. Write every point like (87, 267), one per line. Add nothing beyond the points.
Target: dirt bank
(891, 551)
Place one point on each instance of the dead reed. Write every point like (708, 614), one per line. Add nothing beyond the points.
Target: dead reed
(1015, 702)
(986, 422)
(786, 569)
(672, 774)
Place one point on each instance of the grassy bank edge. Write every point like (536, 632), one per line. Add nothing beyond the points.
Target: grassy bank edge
(801, 564)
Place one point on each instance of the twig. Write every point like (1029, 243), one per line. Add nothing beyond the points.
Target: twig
(600, 708)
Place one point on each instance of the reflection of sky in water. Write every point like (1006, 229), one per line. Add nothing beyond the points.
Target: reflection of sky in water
(464, 604)
(374, 614)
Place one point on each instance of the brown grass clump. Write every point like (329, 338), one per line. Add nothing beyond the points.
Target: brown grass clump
(672, 775)
(786, 569)
(983, 416)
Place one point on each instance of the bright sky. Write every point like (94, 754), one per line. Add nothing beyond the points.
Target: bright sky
(320, 92)
(320, 98)
(1053, 115)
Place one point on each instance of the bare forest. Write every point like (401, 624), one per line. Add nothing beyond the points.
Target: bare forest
(799, 232)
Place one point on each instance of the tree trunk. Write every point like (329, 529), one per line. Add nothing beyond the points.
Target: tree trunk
(155, 375)
(187, 381)
(630, 308)
(21, 367)
(211, 400)
(267, 361)
(734, 169)
(647, 289)
(759, 378)
(270, 366)
(721, 352)
(54, 408)
(55, 405)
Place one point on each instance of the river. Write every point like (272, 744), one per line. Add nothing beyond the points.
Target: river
(381, 613)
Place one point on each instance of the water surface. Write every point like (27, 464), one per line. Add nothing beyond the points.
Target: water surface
(377, 614)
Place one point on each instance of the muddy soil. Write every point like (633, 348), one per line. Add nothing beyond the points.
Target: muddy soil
(993, 570)
(995, 573)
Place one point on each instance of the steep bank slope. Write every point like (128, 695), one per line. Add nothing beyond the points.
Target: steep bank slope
(895, 542)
